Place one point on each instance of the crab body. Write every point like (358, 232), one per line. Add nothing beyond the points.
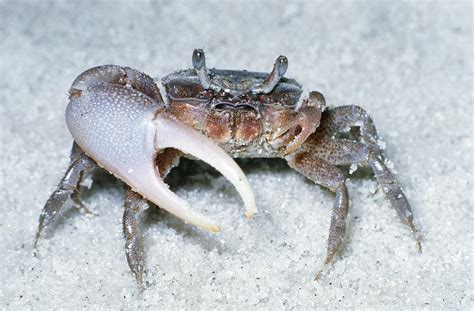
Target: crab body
(121, 120)
(241, 122)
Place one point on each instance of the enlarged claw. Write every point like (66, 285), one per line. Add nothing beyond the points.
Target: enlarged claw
(123, 130)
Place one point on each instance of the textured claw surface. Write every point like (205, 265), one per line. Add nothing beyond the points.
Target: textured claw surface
(122, 130)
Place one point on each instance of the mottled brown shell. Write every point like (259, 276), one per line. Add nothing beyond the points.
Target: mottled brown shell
(241, 122)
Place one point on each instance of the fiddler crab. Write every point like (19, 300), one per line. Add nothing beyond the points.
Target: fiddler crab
(121, 121)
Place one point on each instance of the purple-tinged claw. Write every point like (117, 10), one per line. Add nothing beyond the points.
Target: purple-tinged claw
(123, 130)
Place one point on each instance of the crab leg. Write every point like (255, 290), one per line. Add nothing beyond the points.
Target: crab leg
(67, 188)
(367, 151)
(325, 174)
(131, 232)
(123, 130)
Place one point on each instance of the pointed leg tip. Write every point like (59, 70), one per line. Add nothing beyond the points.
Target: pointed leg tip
(36, 243)
(141, 286)
(35, 253)
(325, 267)
(417, 237)
(140, 283)
(418, 247)
(321, 271)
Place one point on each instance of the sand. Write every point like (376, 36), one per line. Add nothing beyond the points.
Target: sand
(408, 63)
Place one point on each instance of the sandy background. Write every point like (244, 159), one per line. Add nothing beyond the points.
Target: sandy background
(408, 63)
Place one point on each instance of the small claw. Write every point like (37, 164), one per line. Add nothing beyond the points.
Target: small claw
(123, 130)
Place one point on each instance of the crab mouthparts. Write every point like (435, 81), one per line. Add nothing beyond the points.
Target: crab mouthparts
(123, 133)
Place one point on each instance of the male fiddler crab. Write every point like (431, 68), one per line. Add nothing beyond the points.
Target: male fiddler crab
(138, 130)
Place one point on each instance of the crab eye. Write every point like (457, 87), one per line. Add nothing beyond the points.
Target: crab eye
(281, 65)
(199, 64)
(279, 69)
(198, 59)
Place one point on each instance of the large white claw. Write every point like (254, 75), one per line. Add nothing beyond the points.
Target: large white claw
(123, 130)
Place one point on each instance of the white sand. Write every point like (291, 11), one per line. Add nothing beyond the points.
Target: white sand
(409, 64)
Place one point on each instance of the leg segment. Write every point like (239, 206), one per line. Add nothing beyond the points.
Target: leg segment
(165, 161)
(392, 190)
(340, 119)
(131, 233)
(78, 163)
(336, 151)
(329, 176)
